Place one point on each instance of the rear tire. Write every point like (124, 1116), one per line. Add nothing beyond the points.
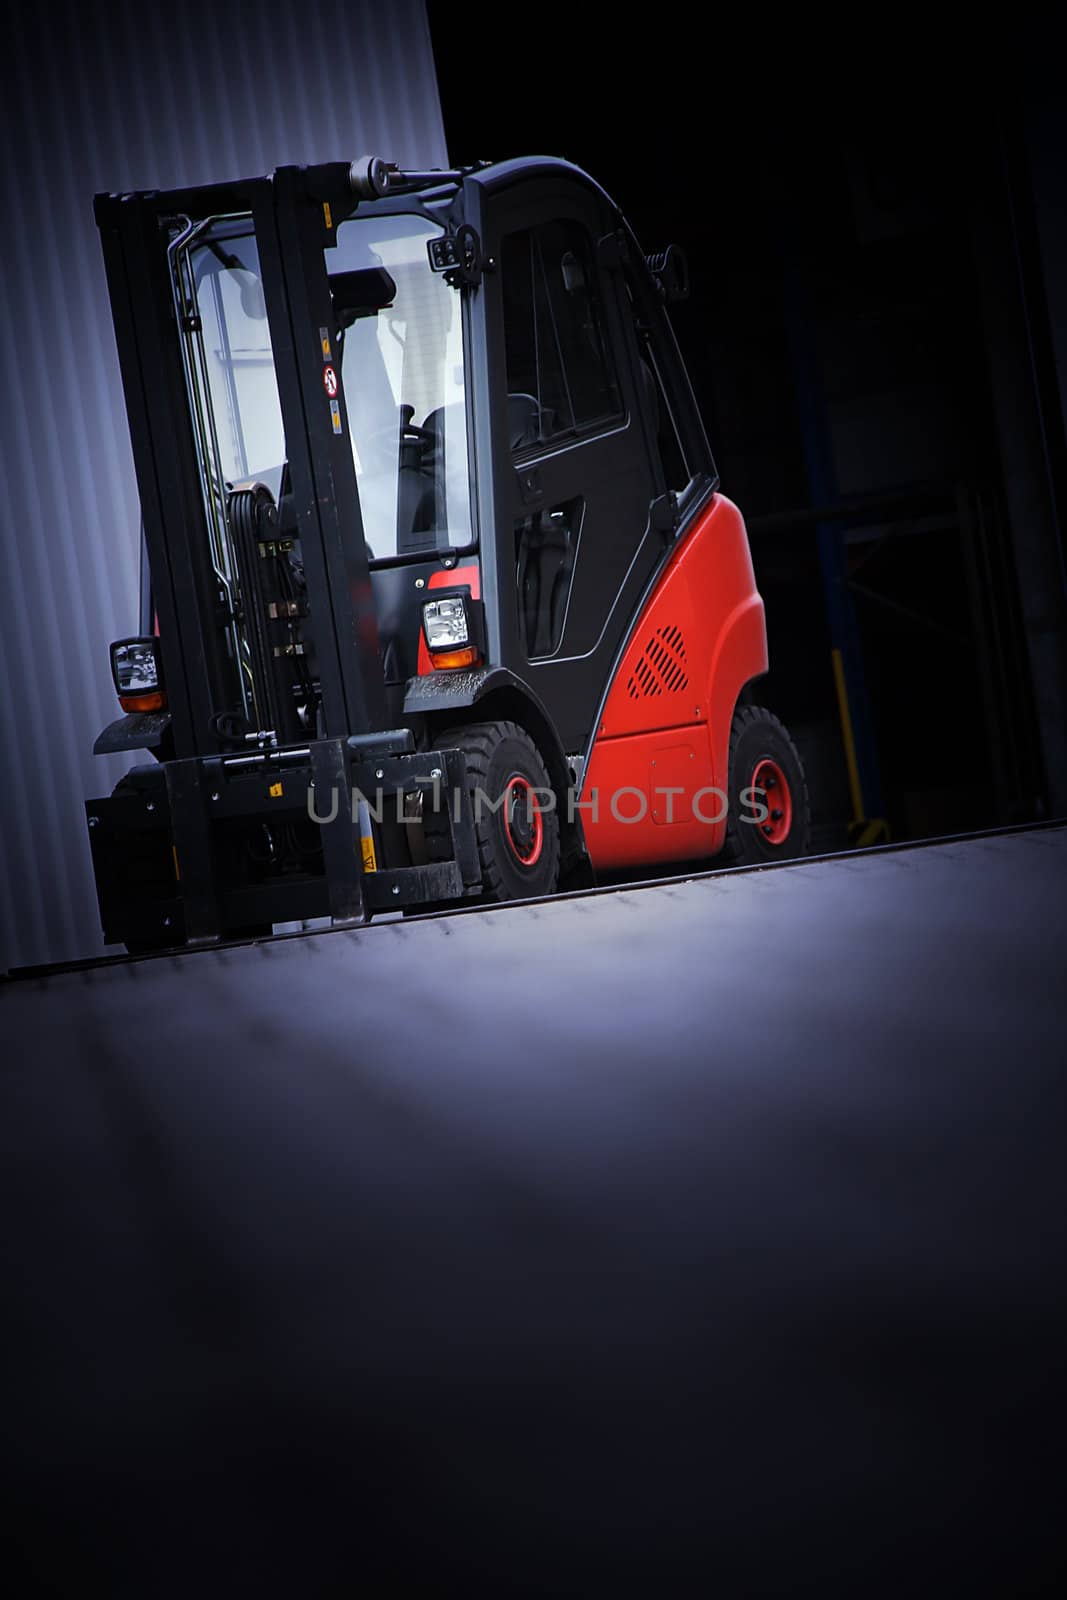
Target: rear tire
(765, 772)
(518, 843)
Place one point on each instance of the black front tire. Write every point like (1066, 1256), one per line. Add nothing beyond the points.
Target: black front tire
(518, 843)
(766, 772)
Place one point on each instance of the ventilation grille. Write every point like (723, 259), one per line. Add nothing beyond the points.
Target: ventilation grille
(662, 667)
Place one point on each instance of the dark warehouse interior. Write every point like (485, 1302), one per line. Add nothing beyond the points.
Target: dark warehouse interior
(875, 335)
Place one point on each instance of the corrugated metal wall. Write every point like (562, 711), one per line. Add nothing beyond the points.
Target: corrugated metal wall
(128, 96)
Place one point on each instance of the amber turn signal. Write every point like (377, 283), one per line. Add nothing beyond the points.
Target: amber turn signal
(467, 657)
(157, 701)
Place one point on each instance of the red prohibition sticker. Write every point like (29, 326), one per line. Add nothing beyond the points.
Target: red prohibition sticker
(329, 381)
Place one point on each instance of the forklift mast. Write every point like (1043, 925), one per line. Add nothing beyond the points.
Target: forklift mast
(207, 286)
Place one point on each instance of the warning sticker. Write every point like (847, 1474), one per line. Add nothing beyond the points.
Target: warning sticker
(324, 340)
(335, 413)
(329, 381)
(276, 791)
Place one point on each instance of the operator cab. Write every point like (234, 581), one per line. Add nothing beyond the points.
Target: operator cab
(572, 410)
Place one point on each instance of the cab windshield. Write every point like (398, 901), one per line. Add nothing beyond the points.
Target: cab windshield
(402, 371)
(401, 367)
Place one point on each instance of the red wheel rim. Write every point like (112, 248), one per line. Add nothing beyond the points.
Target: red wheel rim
(523, 822)
(773, 786)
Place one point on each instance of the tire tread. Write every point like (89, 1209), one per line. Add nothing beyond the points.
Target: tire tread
(478, 740)
(733, 850)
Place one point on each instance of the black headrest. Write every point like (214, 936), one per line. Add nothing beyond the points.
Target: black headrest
(524, 420)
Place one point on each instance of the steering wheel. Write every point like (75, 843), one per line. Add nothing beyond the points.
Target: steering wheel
(384, 443)
(411, 430)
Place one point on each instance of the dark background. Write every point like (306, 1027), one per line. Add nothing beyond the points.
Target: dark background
(872, 338)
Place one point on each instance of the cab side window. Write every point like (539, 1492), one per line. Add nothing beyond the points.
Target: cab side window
(675, 471)
(560, 376)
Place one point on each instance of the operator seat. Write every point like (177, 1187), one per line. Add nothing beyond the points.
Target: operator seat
(545, 542)
(526, 421)
(416, 518)
(447, 465)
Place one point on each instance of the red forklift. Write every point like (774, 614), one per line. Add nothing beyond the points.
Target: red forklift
(442, 602)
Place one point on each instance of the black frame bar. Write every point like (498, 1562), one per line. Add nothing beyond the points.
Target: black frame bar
(289, 216)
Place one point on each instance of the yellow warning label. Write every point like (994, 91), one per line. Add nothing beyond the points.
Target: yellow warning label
(327, 213)
(276, 791)
(370, 860)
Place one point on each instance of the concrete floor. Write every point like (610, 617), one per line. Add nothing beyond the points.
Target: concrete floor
(705, 1237)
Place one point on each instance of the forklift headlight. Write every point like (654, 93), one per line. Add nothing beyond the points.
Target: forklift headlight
(445, 623)
(454, 632)
(135, 668)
